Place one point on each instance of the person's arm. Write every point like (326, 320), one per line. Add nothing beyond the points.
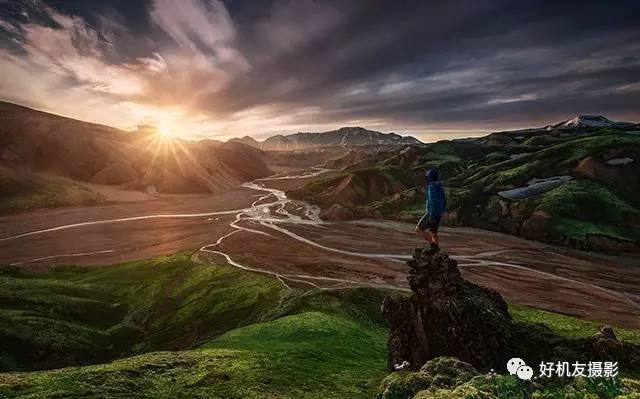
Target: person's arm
(426, 199)
(431, 200)
(444, 201)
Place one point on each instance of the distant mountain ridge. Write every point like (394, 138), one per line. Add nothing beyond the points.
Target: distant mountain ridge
(40, 142)
(345, 136)
(586, 121)
(580, 122)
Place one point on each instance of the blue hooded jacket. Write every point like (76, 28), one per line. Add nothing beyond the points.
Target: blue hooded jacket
(436, 201)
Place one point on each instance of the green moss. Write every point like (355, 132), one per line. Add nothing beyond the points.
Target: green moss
(516, 176)
(581, 229)
(74, 315)
(439, 372)
(315, 351)
(497, 156)
(456, 197)
(490, 386)
(403, 384)
(543, 140)
(319, 343)
(448, 371)
(556, 159)
(566, 326)
(581, 208)
(591, 199)
(361, 304)
(467, 150)
(327, 356)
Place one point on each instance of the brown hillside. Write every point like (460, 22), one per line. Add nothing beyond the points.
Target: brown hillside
(93, 153)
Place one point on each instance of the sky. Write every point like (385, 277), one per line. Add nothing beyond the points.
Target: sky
(218, 69)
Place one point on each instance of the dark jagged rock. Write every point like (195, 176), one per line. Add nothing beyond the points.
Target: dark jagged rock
(447, 316)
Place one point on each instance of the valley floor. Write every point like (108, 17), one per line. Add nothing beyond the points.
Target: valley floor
(257, 228)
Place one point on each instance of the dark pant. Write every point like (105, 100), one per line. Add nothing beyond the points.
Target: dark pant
(428, 223)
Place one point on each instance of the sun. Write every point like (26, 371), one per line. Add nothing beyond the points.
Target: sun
(164, 131)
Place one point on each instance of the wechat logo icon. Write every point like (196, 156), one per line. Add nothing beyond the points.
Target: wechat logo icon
(518, 367)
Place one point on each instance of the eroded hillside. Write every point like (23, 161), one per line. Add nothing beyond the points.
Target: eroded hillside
(577, 186)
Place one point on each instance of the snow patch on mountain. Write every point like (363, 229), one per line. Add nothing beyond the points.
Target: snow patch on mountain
(586, 121)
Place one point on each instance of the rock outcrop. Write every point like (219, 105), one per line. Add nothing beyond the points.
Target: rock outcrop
(447, 316)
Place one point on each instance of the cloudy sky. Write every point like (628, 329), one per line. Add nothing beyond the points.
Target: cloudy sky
(212, 68)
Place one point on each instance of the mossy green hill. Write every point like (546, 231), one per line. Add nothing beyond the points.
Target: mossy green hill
(248, 335)
(597, 209)
(172, 327)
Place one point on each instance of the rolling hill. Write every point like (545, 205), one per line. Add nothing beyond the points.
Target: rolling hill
(34, 142)
(576, 183)
(171, 327)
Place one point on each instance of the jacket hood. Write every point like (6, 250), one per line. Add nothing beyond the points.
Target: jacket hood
(432, 175)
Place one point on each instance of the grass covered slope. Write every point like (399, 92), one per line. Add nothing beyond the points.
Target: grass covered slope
(77, 315)
(24, 190)
(294, 343)
(583, 209)
(312, 354)
(566, 326)
(235, 334)
(309, 355)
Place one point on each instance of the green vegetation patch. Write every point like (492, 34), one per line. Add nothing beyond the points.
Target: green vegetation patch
(449, 378)
(249, 337)
(310, 355)
(462, 149)
(16, 196)
(77, 315)
(556, 159)
(581, 208)
(567, 326)
(312, 344)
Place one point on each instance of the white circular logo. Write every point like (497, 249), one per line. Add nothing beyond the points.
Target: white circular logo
(525, 372)
(514, 364)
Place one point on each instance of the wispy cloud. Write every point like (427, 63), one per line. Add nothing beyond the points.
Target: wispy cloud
(203, 27)
(207, 68)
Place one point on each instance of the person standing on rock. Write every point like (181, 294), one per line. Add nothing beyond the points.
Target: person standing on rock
(428, 225)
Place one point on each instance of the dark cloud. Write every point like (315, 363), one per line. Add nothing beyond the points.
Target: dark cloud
(410, 65)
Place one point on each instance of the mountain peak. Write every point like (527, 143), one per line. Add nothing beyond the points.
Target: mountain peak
(344, 136)
(587, 121)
